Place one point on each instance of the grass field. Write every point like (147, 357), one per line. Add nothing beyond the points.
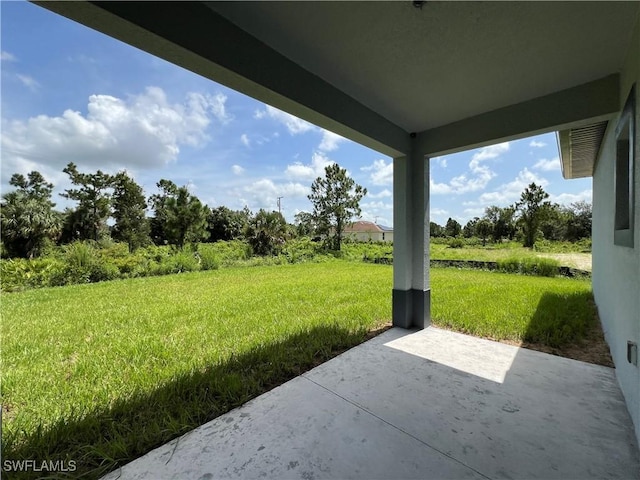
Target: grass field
(102, 373)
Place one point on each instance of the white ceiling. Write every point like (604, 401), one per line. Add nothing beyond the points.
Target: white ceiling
(423, 68)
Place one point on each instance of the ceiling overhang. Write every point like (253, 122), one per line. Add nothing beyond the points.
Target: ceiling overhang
(458, 74)
(579, 148)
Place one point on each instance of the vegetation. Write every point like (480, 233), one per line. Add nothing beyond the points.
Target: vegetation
(97, 376)
(452, 228)
(93, 197)
(129, 206)
(225, 224)
(336, 200)
(531, 209)
(267, 233)
(88, 262)
(549, 311)
(530, 220)
(180, 217)
(28, 220)
(31, 227)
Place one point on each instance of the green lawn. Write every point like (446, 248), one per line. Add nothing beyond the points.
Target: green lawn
(102, 373)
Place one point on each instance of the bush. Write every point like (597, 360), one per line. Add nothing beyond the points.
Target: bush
(227, 252)
(181, 261)
(20, 274)
(208, 257)
(543, 267)
(301, 250)
(456, 243)
(83, 263)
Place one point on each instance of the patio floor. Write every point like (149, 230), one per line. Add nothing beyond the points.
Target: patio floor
(417, 404)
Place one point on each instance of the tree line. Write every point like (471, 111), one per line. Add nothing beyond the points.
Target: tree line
(531, 218)
(30, 221)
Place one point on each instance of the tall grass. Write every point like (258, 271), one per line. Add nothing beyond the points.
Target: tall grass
(549, 311)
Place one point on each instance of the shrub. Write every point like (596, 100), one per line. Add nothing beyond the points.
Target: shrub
(180, 261)
(84, 264)
(543, 267)
(301, 250)
(208, 257)
(19, 274)
(456, 243)
(547, 267)
(133, 265)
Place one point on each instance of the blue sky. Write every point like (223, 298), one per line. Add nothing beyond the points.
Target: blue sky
(72, 94)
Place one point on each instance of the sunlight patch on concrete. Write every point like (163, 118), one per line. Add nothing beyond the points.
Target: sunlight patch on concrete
(483, 358)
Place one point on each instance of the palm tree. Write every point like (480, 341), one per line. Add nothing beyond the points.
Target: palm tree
(27, 223)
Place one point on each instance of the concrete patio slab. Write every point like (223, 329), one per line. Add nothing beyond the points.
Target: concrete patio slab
(423, 404)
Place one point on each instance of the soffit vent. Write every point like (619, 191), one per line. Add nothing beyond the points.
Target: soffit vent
(579, 149)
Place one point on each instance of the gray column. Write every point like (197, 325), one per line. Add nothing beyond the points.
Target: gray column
(411, 292)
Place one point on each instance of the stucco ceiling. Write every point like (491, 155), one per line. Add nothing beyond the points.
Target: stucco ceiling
(447, 61)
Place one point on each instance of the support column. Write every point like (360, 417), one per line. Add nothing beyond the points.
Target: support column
(411, 292)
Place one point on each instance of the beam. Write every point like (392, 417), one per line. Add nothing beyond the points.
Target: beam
(193, 36)
(585, 104)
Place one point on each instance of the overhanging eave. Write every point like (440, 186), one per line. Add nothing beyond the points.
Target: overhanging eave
(575, 107)
(579, 148)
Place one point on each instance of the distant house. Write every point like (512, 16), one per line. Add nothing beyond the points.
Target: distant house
(368, 231)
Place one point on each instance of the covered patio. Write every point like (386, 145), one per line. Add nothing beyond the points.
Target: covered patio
(429, 404)
(415, 80)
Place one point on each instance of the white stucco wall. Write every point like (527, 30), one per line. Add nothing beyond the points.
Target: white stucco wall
(372, 236)
(616, 269)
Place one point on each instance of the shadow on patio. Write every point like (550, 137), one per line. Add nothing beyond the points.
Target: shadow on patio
(99, 440)
(422, 404)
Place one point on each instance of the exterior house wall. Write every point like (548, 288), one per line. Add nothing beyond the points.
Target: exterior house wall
(364, 231)
(372, 236)
(616, 269)
(366, 236)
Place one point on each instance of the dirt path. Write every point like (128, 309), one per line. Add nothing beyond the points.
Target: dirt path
(581, 261)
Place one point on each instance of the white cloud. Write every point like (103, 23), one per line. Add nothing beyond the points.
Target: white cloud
(216, 104)
(329, 141)
(245, 140)
(383, 194)
(28, 81)
(438, 212)
(492, 151)
(237, 169)
(510, 192)
(378, 212)
(548, 165)
(144, 131)
(7, 57)
(569, 198)
(264, 193)
(474, 212)
(441, 161)
(537, 144)
(480, 174)
(381, 172)
(311, 171)
(294, 125)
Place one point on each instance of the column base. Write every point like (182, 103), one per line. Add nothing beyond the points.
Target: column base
(411, 308)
